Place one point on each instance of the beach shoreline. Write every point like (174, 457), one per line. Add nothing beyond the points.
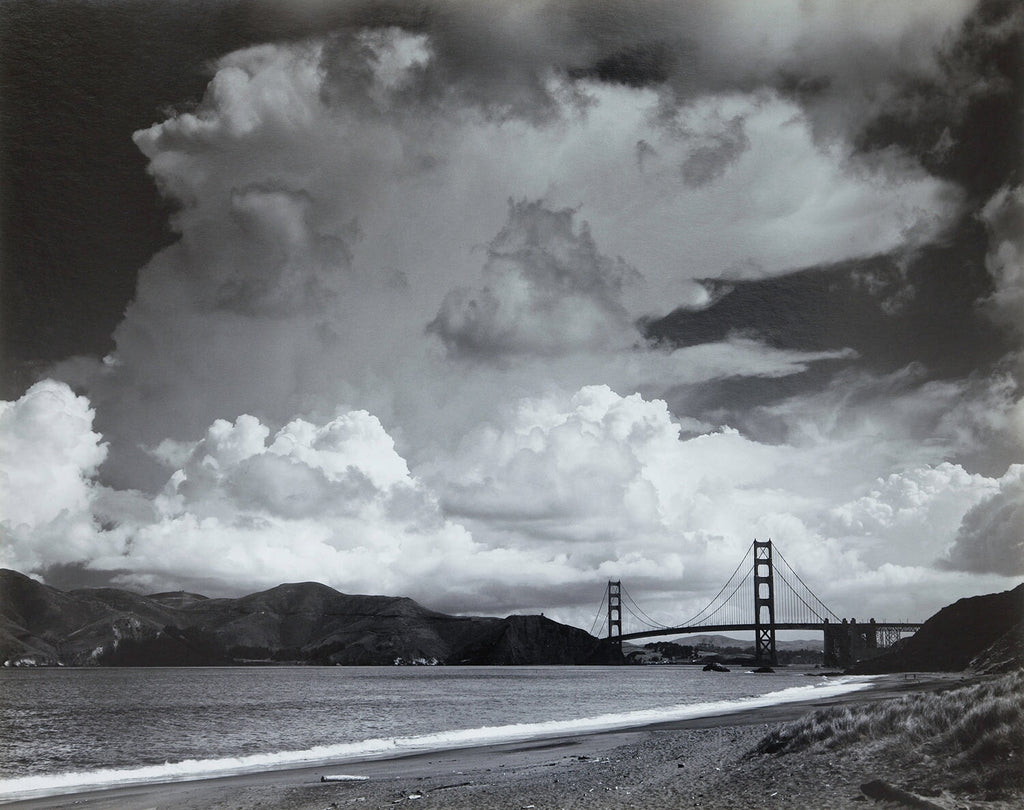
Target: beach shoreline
(643, 766)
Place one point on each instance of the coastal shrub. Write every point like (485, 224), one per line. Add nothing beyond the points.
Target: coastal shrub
(978, 730)
(988, 731)
(974, 733)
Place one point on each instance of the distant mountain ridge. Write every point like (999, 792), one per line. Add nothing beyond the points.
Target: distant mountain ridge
(300, 622)
(313, 624)
(727, 642)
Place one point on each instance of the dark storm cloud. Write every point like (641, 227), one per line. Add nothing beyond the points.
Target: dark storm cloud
(942, 330)
(635, 66)
(940, 324)
(966, 123)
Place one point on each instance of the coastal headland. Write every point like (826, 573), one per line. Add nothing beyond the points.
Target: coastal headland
(703, 762)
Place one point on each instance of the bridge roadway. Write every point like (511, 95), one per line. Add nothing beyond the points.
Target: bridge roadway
(725, 628)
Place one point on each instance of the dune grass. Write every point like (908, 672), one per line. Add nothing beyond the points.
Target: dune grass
(975, 733)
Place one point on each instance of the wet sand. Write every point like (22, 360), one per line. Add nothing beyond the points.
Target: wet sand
(701, 762)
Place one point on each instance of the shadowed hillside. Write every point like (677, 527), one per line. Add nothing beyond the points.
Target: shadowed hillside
(984, 631)
(305, 622)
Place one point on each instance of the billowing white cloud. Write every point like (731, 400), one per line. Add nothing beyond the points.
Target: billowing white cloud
(48, 452)
(333, 196)
(48, 455)
(360, 363)
(913, 514)
(532, 510)
(991, 536)
(610, 482)
(333, 503)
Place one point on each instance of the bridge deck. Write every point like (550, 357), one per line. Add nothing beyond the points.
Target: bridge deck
(725, 628)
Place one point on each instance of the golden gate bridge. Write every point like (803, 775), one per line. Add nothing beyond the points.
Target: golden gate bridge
(764, 594)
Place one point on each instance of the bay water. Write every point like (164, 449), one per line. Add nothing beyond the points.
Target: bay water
(64, 730)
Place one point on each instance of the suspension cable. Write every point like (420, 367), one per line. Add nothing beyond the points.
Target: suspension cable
(812, 593)
(793, 592)
(740, 584)
(637, 616)
(604, 598)
(789, 597)
(652, 622)
(628, 611)
(695, 619)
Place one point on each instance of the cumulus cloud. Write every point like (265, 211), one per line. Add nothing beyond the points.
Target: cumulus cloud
(339, 197)
(333, 502)
(535, 508)
(612, 483)
(549, 291)
(332, 196)
(849, 64)
(48, 455)
(48, 452)
(991, 536)
(909, 515)
(250, 508)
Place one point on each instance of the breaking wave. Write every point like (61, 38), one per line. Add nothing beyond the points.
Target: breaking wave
(36, 786)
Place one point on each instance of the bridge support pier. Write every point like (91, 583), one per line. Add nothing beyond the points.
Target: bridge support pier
(847, 642)
(764, 605)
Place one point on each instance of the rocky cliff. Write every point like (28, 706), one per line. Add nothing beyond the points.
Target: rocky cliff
(303, 622)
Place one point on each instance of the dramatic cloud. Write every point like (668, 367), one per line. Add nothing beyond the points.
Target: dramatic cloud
(332, 196)
(991, 537)
(912, 514)
(549, 292)
(709, 162)
(399, 339)
(330, 502)
(923, 421)
(333, 502)
(48, 455)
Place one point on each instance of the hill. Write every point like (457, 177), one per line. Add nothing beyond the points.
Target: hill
(300, 622)
(730, 643)
(983, 632)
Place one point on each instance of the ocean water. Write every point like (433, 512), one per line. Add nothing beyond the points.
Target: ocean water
(64, 730)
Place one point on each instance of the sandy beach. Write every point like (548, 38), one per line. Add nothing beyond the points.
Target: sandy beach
(704, 762)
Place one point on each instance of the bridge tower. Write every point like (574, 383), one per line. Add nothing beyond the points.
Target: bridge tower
(615, 614)
(764, 604)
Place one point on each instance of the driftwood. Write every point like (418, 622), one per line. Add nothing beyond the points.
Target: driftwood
(344, 777)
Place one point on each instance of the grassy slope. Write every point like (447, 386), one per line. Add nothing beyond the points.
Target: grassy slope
(968, 739)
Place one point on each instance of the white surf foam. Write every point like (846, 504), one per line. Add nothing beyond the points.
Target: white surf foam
(30, 787)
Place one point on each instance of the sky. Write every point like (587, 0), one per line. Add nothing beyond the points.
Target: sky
(487, 303)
